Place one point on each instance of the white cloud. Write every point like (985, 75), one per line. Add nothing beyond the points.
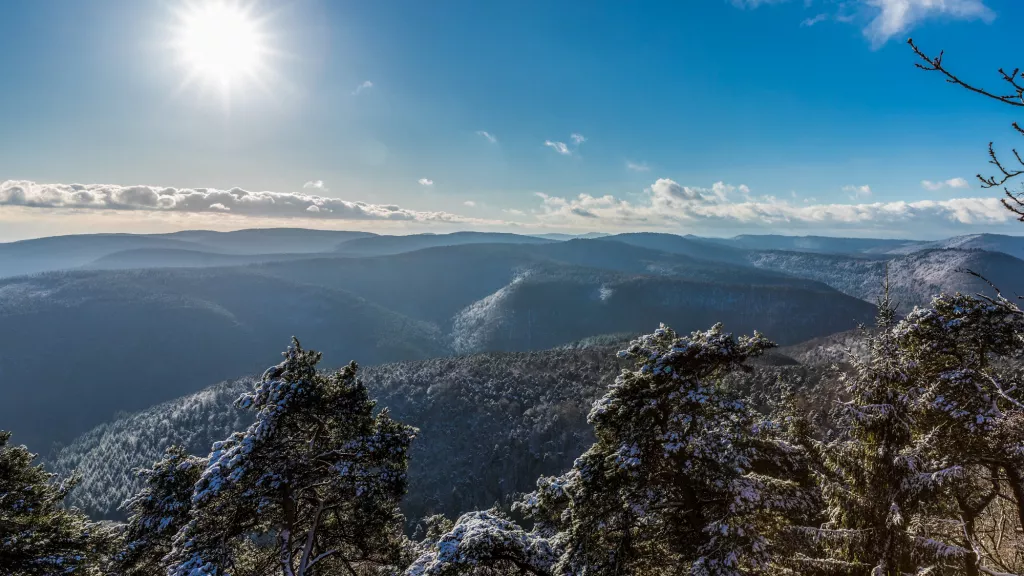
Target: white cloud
(425, 182)
(559, 147)
(490, 137)
(755, 3)
(365, 85)
(577, 138)
(239, 202)
(895, 17)
(469, 203)
(514, 212)
(951, 183)
(858, 192)
(668, 204)
(886, 19)
(637, 166)
(315, 185)
(808, 22)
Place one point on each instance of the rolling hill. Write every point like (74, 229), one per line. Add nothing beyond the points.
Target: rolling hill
(539, 311)
(818, 244)
(383, 245)
(914, 278)
(142, 258)
(74, 251)
(1012, 245)
(435, 284)
(489, 425)
(495, 421)
(81, 346)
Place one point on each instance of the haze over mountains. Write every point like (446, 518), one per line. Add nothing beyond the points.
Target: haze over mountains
(142, 319)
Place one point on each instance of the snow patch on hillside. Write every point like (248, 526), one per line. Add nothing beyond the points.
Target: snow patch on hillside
(469, 324)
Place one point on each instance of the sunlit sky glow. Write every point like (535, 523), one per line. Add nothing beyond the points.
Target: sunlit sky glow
(712, 117)
(220, 43)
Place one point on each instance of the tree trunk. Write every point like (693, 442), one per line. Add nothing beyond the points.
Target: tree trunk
(1017, 485)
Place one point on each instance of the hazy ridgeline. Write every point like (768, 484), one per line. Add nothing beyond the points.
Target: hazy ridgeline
(217, 305)
(494, 347)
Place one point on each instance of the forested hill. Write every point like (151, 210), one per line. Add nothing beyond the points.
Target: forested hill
(177, 330)
(489, 425)
(168, 333)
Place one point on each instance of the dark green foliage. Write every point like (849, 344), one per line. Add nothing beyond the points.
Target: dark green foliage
(317, 473)
(927, 424)
(157, 512)
(874, 478)
(683, 478)
(38, 536)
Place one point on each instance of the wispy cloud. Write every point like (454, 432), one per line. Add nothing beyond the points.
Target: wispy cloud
(894, 17)
(808, 22)
(562, 148)
(559, 147)
(425, 182)
(858, 192)
(236, 201)
(637, 166)
(315, 185)
(951, 183)
(366, 85)
(490, 137)
(514, 212)
(469, 203)
(884, 19)
(755, 3)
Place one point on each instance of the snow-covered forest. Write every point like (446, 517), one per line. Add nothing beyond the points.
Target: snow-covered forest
(903, 458)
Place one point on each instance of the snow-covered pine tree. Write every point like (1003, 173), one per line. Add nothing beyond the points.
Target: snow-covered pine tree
(157, 512)
(684, 477)
(311, 487)
(878, 479)
(972, 409)
(38, 535)
(484, 543)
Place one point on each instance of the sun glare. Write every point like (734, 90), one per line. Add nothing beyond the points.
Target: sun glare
(220, 43)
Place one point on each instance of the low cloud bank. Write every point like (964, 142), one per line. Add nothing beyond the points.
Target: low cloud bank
(208, 200)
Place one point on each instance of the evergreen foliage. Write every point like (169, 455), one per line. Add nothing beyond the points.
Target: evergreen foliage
(38, 536)
(158, 512)
(317, 473)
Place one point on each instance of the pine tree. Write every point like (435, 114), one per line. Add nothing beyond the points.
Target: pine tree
(484, 543)
(317, 474)
(38, 535)
(684, 477)
(157, 513)
(970, 409)
(879, 481)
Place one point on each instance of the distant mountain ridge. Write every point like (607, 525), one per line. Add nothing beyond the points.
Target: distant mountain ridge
(79, 346)
(386, 245)
(177, 318)
(73, 251)
(914, 278)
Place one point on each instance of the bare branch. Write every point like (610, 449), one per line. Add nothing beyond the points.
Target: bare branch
(935, 65)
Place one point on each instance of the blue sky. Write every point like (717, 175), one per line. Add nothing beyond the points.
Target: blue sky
(712, 117)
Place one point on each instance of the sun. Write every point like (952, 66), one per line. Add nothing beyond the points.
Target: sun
(220, 43)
